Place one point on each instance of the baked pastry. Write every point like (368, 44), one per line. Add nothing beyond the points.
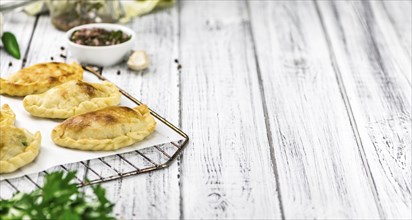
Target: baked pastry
(110, 128)
(18, 147)
(39, 78)
(72, 98)
(7, 116)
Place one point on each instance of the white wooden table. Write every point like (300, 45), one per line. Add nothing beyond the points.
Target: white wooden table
(295, 109)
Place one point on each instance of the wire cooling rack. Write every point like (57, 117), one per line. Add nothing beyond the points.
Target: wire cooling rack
(107, 168)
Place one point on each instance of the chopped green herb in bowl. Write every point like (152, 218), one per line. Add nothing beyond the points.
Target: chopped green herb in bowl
(98, 37)
(100, 44)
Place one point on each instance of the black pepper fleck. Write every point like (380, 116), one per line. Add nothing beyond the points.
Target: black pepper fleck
(176, 61)
(51, 58)
(61, 48)
(24, 60)
(118, 72)
(179, 67)
(10, 64)
(63, 56)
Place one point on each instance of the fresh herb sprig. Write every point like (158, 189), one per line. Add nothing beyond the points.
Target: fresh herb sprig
(60, 198)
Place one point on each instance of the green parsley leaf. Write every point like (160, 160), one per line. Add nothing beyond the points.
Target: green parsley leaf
(60, 198)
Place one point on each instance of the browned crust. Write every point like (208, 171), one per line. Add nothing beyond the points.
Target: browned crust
(54, 72)
(107, 116)
(39, 78)
(87, 88)
(129, 126)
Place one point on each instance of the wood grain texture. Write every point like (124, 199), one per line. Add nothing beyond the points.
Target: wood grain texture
(22, 27)
(380, 99)
(396, 42)
(227, 170)
(45, 43)
(321, 172)
(399, 16)
(295, 109)
(154, 195)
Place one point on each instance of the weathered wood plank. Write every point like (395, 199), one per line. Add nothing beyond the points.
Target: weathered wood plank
(379, 96)
(399, 15)
(395, 39)
(227, 169)
(321, 172)
(46, 43)
(21, 26)
(154, 195)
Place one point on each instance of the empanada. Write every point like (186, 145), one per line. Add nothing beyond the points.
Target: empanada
(7, 116)
(18, 147)
(72, 98)
(110, 128)
(39, 78)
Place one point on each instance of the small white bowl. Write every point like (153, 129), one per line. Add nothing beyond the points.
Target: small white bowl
(101, 55)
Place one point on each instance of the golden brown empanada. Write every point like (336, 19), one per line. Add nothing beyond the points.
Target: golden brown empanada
(72, 98)
(110, 128)
(7, 116)
(18, 147)
(39, 78)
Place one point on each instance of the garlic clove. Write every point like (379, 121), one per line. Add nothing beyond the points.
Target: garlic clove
(138, 60)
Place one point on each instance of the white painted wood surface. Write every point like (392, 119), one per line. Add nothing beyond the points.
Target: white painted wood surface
(380, 98)
(399, 16)
(227, 168)
(22, 27)
(318, 161)
(296, 110)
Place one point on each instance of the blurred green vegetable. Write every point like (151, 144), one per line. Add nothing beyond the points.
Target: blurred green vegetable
(131, 8)
(10, 44)
(142, 7)
(59, 199)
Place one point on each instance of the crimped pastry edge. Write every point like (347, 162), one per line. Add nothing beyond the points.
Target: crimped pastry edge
(86, 106)
(24, 158)
(106, 144)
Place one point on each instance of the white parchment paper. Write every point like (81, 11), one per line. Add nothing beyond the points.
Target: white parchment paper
(52, 155)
